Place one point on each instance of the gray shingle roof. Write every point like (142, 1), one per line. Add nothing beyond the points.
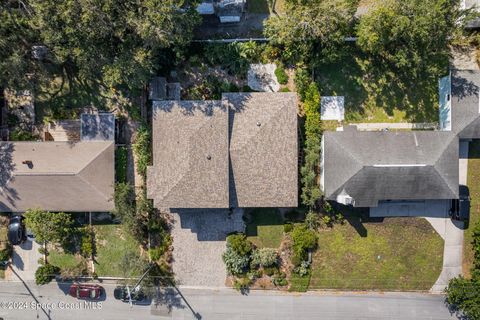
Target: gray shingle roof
(250, 165)
(190, 155)
(56, 176)
(466, 104)
(97, 127)
(263, 149)
(372, 166)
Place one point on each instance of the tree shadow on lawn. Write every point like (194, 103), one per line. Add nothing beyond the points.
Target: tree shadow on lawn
(378, 86)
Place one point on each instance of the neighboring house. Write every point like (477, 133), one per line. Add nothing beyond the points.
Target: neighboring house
(240, 151)
(57, 176)
(364, 168)
(227, 11)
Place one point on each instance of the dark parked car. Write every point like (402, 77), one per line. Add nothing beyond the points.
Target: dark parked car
(460, 208)
(16, 230)
(86, 291)
(121, 293)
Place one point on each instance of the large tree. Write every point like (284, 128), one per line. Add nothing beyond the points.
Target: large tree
(49, 226)
(311, 29)
(109, 44)
(406, 49)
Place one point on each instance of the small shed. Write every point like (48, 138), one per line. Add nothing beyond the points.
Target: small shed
(332, 108)
(97, 127)
(206, 7)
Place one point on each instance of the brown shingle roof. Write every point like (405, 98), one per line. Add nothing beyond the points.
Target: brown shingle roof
(263, 158)
(56, 176)
(263, 149)
(190, 155)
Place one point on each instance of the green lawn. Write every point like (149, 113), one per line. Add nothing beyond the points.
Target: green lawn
(118, 254)
(473, 182)
(265, 229)
(397, 254)
(366, 101)
(63, 260)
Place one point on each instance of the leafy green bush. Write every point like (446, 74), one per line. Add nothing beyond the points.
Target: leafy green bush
(6, 253)
(287, 227)
(240, 244)
(303, 240)
(269, 271)
(279, 279)
(141, 149)
(265, 257)
(45, 274)
(87, 242)
(156, 253)
(235, 263)
(312, 220)
(284, 89)
(313, 132)
(22, 135)
(464, 294)
(281, 75)
(303, 269)
(228, 56)
(121, 156)
(302, 81)
(242, 283)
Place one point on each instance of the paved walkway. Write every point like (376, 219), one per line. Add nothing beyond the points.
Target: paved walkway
(452, 233)
(199, 242)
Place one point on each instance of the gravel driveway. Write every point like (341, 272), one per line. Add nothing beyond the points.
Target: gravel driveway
(199, 241)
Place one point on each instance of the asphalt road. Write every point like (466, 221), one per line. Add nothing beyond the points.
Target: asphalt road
(17, 303)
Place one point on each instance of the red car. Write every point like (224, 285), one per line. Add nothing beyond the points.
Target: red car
(86, 291)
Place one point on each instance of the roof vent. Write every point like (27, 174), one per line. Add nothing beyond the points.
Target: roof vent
(209, 157)
(258, 124)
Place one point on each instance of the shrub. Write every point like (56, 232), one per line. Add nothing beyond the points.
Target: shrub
(280, 279)
(303, 239)
(302, 81)
(269, 271)
(6, 253)
(22, 135)
(264, 257)
(141, 149)
(242, 284)
(235, 263)
(281, 75)
(121, 155)
(156, 253)
(287, 227)
(240, 244)
(45, 274)
(284, 89)
(87, 242)
(303, 269)
(312, 220)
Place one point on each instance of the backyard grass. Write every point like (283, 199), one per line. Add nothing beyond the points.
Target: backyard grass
(397, 254)
(118, 254)
(265, 228)
(473, 182)
(366, 101)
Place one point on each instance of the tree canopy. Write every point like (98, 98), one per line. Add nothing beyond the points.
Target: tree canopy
(49, 226)
(116, 44)
(313, 28)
